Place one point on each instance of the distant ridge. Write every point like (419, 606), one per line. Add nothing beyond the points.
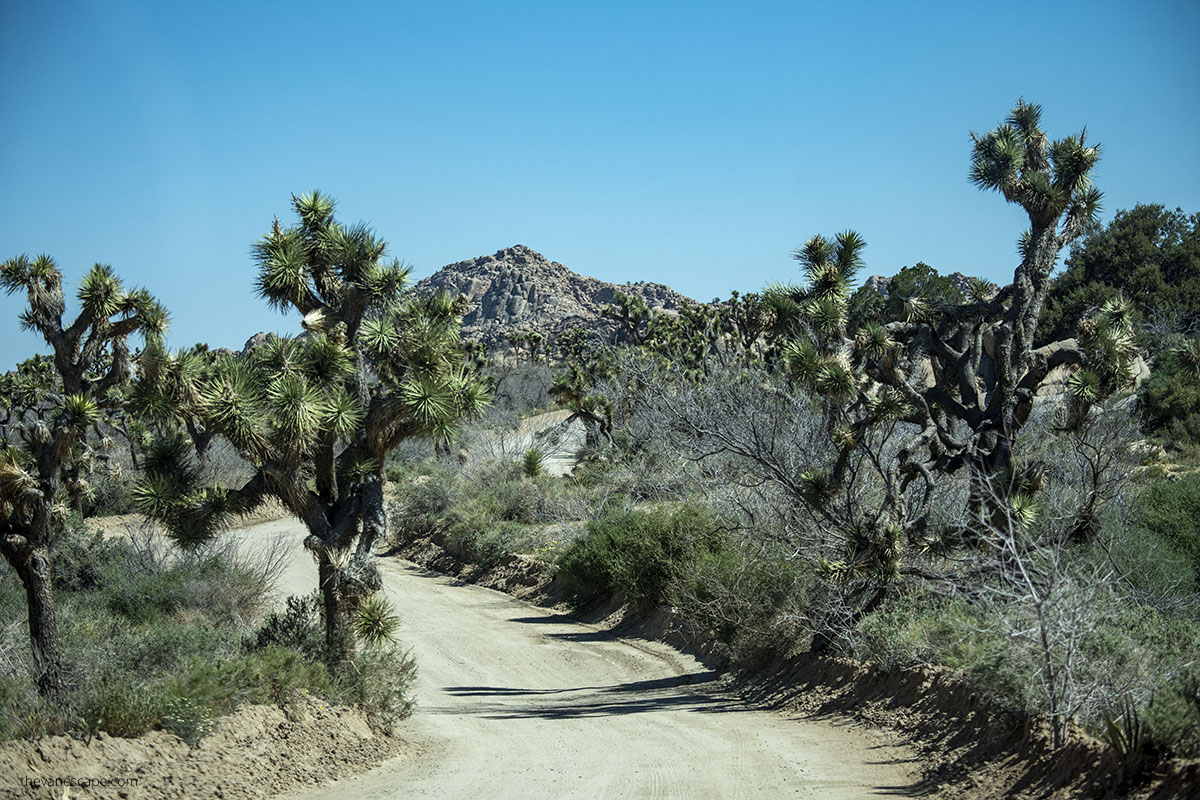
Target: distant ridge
(519, 289)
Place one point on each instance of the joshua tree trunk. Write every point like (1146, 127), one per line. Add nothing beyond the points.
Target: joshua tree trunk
(32, 565)
(332, 583)
(345, 585)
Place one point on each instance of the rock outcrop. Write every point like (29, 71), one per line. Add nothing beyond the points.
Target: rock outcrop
(519, 289)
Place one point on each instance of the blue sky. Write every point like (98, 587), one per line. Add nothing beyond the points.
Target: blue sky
(696, 144)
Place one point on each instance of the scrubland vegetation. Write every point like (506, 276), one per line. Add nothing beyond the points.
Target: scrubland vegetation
(152, 636)
(967, 477)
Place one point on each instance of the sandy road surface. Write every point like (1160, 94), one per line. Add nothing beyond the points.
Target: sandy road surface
(515, 701)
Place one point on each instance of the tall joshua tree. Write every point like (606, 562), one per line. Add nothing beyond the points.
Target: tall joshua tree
(315, 415)
(54, 406)
(962, 376)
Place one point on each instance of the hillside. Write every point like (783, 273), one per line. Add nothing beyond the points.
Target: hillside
(520, 289)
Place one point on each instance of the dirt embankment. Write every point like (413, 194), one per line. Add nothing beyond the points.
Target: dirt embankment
(969, 746)
(254, 751)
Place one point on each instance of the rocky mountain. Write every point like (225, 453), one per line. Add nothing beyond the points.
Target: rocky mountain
(519, 289)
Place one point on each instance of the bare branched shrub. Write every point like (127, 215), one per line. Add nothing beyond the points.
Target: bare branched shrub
(1045, 580)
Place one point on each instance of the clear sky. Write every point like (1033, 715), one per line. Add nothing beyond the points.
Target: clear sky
(693, 143)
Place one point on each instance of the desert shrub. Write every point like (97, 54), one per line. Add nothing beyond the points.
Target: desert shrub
(749, 599)
(634, 555)
(591, 473)
(279, 675)
(1169, 510)
(298, 627)
(420, 505)
(504, 495)
(81, 557)
(919, 627)
(1172, 717)
(155, 637)
(477, 540)
(1170, 398)
(121, 708)
(147, 597)
(650, 476)
(1155, 570)
(112, 493)
(380, 683)
(187, 719)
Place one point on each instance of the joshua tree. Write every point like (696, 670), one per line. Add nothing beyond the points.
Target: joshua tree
(315, 415)
(52, 406)
(964, 375)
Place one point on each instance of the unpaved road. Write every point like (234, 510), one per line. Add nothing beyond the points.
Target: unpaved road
(515, 701)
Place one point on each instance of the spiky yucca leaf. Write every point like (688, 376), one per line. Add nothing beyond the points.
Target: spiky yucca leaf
(361, 470)
(100, 291)
(378, 338)
(328, 361)
(843, 437)
(1189, 355)
(836, 381)
(231, 401)
(803, 361)
(341, 413)
(825, 313)
(978, 290)
(296, 407)
(835, 570)
(916, 308)
(816, 487)
(278, 354)
(80, 410)
(1085, 385)
(385, 283)
(428, 400)
(1025, 510)
(887, 405)
(376, 622)
(157, 495)
(283, 277)
(873, 341)
(19, 490)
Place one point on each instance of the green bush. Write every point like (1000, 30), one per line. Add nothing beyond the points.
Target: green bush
(917, 627)
(1169, 511)
(420, 506)
(82, 558)
(380, 683)
(123, 709)
(278, 675)
(156, 638)
(509, 500)
(1170, 397)
(186, 719)
(147, 597)
(745, 598)
(634, 555)
(1172, 718)
(299, 627)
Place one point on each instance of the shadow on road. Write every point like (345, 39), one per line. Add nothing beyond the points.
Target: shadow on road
(589, 701)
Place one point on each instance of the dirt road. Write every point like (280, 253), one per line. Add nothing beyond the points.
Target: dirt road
(515, 701)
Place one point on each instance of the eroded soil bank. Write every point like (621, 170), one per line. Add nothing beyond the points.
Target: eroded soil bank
(254, 752)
